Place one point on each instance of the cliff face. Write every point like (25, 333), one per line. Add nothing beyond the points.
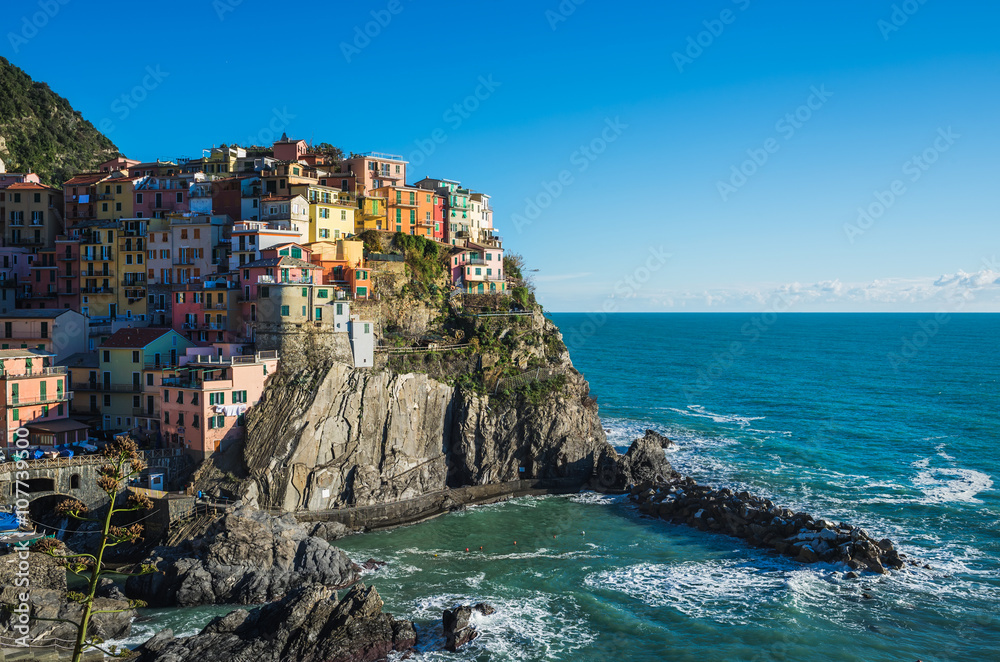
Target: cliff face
(337, 436)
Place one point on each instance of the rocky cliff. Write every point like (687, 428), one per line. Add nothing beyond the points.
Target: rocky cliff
(335, 436)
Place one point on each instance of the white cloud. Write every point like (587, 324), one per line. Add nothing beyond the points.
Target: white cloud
(979, 291)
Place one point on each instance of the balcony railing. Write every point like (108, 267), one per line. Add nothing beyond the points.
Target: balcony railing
(96, 290)
(96, 258)
(42, 399)
(26, 241)
(214, 306)
(143, 412)
(41, 372)
(274, 280)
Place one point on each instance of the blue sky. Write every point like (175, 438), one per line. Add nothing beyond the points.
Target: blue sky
(607, 133)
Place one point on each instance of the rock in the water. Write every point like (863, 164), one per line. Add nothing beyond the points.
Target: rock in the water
(248, 557)
(307, 625)
(645, 462)
(457, 624)
(663, 441)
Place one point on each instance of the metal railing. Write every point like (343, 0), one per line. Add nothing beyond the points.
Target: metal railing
(42, 399)
(41, 372)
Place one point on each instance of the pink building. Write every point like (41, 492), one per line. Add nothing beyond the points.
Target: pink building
(208, 312)
(375, 170)
(159, 195)
(478, 269)
(206, 400)
(287, 149)
(36, 396)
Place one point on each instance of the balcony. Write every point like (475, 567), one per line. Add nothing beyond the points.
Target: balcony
(162, 362)
(182, 262)
(136, 284)
(274, 280)
(214, 306)
(96, 258)
(143, 412)
(476, 261)
(97, 290)
(39, 295)
(22, 241)
(41, 372)
(41, 399)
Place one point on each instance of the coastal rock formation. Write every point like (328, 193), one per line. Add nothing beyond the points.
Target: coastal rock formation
(761, 523)
(457, 624)
(247, 557)
(336, 436)
(644, 462)
(47, 600)
(308, 625)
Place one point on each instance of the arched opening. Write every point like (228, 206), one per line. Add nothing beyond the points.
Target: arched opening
(74, 481)
(42, 512)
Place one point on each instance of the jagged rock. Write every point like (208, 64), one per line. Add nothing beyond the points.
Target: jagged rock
(330, 530)
(336, 436)
(247, 557)
(663, 441)
(457, 626)
(307, 625)
(643, 464)
(106, 588)
(798, 535)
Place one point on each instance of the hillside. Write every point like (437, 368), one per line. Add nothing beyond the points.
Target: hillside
(40, 131)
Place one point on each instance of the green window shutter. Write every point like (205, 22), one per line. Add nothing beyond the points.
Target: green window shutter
(284, 311)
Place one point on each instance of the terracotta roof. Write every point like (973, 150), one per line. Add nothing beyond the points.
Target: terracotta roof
(21, 186)
(134, 337)
(87, 178)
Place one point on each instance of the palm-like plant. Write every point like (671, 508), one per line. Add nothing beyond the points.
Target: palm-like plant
(124, 462)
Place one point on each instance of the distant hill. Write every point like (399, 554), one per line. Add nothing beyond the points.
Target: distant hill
(40, 131)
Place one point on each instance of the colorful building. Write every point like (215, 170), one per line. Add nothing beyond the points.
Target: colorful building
(478, 269)
(116, 197)
(206, 399)
(249, 238)
(375, 170)
(31, 214)
(331, 215)
(36, 396)
(58, 332)
(209, 312)
(280, 288)
(131, 365)
(80, 197)
(343, 265)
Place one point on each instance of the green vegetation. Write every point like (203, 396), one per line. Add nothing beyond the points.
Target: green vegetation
(426, 264)
(537, 392)
(124, 462)
(40, 131)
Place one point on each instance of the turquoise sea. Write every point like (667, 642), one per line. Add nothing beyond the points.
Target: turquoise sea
(887, 421)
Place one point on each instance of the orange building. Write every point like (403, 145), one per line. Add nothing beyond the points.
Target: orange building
(36, 396)
(343, 264)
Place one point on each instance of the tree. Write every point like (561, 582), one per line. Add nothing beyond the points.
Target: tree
(124, 462)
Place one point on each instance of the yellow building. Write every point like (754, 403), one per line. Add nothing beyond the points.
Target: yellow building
(115, 197)
(112, 268)
(331, 213)
(371, 215)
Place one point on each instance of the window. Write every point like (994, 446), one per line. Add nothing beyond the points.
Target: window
(138, 198)
(322, 294)
(180, 197)
(319, 314)
(194, 421)
(305, 291)
(180, 418)
(264, 292)
(166, 418)
(239, 397)
(166, 395)
(16, 414)
(194, 398)
(284, 311)
(135, 357)
(107, 356)
(180, 397)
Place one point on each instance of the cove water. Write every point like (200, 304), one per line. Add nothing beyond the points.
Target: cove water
(886, 421)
